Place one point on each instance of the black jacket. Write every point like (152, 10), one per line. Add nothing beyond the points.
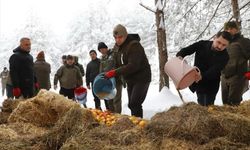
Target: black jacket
(92, 70)
(210, 62)
(135, 67)
(22, 69)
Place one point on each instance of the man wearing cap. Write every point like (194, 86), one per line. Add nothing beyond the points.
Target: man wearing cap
(134, 68)
(108, 63)
(233, 81)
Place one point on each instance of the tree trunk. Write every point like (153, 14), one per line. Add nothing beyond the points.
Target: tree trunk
(236, 12)
(162, 47)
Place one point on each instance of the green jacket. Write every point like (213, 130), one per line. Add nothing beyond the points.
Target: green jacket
(107, 62)
(69, 77)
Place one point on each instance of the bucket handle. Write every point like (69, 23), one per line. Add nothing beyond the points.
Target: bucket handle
(184, 60)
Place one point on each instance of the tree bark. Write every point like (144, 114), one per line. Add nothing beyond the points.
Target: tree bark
(162, 46)
(236, 12)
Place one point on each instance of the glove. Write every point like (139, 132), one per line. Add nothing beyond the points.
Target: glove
(110, 74)
(37, 85)
(16, 92)
(247, 75)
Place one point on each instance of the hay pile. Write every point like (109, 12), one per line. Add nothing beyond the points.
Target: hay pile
(19, 136)
(76, 120)
(51, 122)
(8, 106)
(43, 110)
(214, 127)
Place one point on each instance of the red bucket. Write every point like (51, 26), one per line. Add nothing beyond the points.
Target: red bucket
(81, 95)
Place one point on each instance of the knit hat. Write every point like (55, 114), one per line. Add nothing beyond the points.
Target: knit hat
(120, 30)
(101, 45)
(231, 24)
(40, 55)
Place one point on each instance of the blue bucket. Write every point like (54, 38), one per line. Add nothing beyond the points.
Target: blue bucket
(104, 88)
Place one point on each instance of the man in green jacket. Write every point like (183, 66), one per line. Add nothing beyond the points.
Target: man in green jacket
(233, 81)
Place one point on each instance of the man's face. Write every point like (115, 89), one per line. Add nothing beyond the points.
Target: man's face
(92, 55)
(220, 43)
(104, 51)
(25, 45)
(119, 39)
(232, 31)
(70, 61)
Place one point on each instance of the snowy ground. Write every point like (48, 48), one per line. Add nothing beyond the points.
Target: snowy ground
(156, 101)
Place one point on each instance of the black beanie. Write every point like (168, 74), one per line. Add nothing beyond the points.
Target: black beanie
(101, 45)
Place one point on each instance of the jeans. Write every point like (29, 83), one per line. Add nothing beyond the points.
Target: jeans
(206, 99)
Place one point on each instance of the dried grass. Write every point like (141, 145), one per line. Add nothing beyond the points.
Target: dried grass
(43, 110)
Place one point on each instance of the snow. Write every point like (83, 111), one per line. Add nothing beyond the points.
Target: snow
(155, 101)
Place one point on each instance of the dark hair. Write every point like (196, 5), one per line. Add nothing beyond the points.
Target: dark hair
(64, 56)
(24, 38)
(70, 57)
(231, 24)
(226, 35)
(92, 51)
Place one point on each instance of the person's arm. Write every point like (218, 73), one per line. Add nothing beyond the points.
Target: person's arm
(79, 77)
(58, 75)
(14, 70)
(88, 75)
(190, 49)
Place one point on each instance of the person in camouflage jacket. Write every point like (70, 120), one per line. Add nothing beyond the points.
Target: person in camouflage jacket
(233, 81)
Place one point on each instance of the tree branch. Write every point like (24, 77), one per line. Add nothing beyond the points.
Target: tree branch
(188, 11)
(210, 20)
(147, 8)
(232, 17)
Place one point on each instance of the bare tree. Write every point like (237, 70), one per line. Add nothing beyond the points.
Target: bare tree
(236, 12)
(161, 40)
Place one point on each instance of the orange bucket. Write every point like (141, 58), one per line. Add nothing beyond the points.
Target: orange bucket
(182, 74)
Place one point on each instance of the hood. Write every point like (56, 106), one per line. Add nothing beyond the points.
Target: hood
(19, 49)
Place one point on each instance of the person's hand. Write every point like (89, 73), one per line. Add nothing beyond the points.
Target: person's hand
(198, 77)
(37, 85)
(16, 92)
(55, 87)
(180, 57)
(110, 74)
(247, 75)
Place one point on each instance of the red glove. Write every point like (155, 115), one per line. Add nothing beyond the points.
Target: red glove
(247, 75)
(110, 74)
(16, 92)
(37, 85)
